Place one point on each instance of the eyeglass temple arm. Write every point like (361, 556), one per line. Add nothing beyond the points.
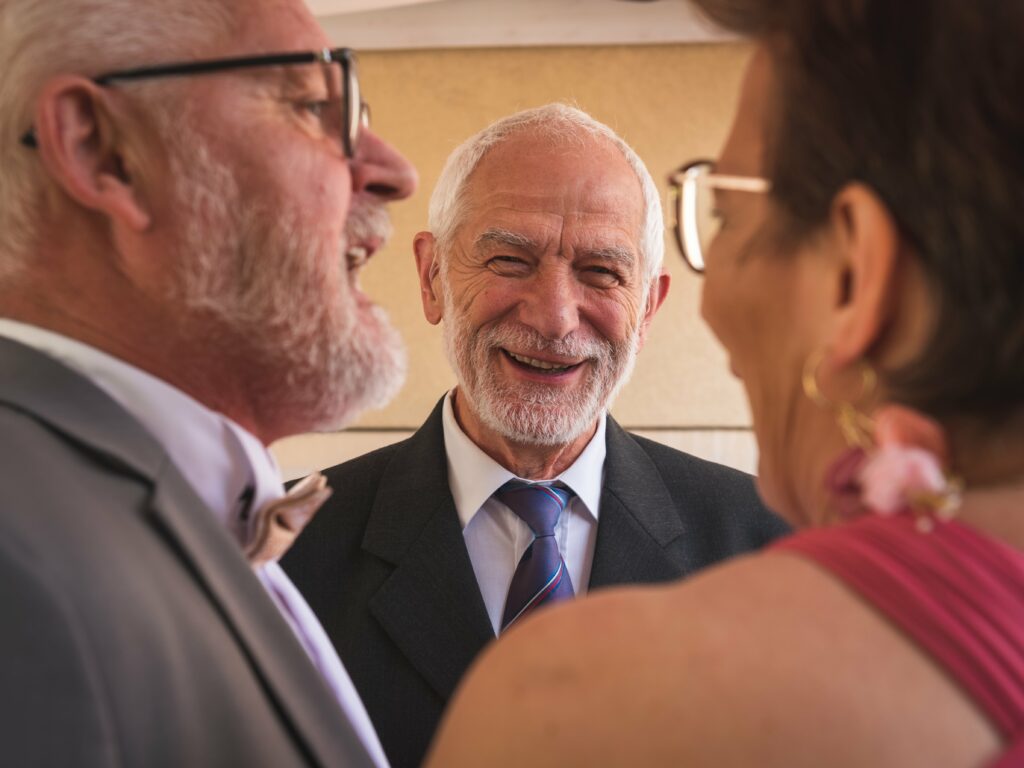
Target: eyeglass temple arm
(739, 183)
(220, 65)
(327, 55)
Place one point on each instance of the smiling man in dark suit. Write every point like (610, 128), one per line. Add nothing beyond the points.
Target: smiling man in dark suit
(544, 263)
(182, 182)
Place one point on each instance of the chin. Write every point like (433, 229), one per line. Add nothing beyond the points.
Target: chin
(329, 370)
(536, 426)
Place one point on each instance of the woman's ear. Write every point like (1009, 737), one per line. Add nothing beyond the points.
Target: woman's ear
(427, 265)
(81, 149)
(869, 247)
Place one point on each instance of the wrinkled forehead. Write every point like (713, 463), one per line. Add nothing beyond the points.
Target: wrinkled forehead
(581, 179)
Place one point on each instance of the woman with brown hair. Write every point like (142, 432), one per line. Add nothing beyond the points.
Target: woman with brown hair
(862, 239)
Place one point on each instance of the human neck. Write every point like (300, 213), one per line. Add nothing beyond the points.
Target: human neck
(139, 334)
(526, 460)
(988, 460)
(794, 477)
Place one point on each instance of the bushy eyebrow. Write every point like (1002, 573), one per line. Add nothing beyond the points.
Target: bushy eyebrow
(498, 236)
(613, 253)
(300, 78)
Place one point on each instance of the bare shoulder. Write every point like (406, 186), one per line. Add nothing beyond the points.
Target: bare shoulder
(766, 659)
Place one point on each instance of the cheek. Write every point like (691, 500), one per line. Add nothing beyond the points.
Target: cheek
(749, 308)
(614, 318)
(485, 301)
(719, 308)
(303, 180)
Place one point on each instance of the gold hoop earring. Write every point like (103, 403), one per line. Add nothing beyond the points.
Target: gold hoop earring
(857, 427)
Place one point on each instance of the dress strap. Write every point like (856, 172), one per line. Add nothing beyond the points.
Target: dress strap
(955, 591)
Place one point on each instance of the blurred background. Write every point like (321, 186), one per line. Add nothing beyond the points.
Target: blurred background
(437, 71)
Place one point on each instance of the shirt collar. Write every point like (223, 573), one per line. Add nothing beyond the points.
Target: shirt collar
(217, 457)
(474, 476)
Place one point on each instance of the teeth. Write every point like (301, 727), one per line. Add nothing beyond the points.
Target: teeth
(538, 363)
(356, 255)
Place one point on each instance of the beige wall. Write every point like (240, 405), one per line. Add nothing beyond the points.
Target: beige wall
(672, 103)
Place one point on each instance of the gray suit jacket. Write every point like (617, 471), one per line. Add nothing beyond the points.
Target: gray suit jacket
(134, 632)
(386, 569)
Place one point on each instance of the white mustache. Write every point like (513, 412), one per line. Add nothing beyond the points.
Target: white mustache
(526, 341)
(368, 221)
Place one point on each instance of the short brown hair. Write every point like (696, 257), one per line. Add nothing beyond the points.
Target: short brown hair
(922, 101)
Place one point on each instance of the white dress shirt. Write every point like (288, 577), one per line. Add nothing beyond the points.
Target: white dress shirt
(220, 460)
(495, 536)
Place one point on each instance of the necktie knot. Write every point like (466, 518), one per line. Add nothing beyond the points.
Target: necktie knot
(535, 504)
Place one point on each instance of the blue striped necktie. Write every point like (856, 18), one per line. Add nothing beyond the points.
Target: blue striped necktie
(541, 576)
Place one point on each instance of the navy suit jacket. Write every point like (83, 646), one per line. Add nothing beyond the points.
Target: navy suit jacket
(385, 567)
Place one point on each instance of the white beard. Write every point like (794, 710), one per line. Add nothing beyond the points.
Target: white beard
(260, 269)
(525, 412)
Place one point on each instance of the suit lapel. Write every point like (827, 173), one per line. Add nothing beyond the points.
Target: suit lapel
(85, 415)
(430, 606)
(276, 656)
(638, 520)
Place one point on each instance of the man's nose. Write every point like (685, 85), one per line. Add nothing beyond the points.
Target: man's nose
(381, 170)
(551, 303)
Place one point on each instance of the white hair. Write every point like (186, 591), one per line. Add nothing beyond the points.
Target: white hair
(560, 121)
(43, 38)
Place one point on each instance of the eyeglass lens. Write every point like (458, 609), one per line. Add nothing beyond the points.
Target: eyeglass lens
(697, 215)
(355, 120)
(345, 111)
(335, 114)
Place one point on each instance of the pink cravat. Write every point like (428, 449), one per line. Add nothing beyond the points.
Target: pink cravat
(277, 523)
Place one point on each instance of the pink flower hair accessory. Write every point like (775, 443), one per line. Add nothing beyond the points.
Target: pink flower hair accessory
(905, 472)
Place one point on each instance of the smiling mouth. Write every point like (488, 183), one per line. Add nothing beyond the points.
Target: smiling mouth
(540, 366)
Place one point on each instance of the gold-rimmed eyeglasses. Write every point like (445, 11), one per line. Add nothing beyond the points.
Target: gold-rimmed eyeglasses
(693, 203)
(342, 110)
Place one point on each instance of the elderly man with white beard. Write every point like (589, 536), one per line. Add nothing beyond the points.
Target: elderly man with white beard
(189, 189)
(543, 262)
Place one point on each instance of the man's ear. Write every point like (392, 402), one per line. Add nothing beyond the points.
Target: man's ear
(655, 298)
(429, 269)
(869, 244)
(82, 151)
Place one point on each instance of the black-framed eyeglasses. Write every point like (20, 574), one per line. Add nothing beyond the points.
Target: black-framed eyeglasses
(693, 201)
(344, 111)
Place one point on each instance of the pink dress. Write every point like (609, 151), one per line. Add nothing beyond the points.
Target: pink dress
(956, 592)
